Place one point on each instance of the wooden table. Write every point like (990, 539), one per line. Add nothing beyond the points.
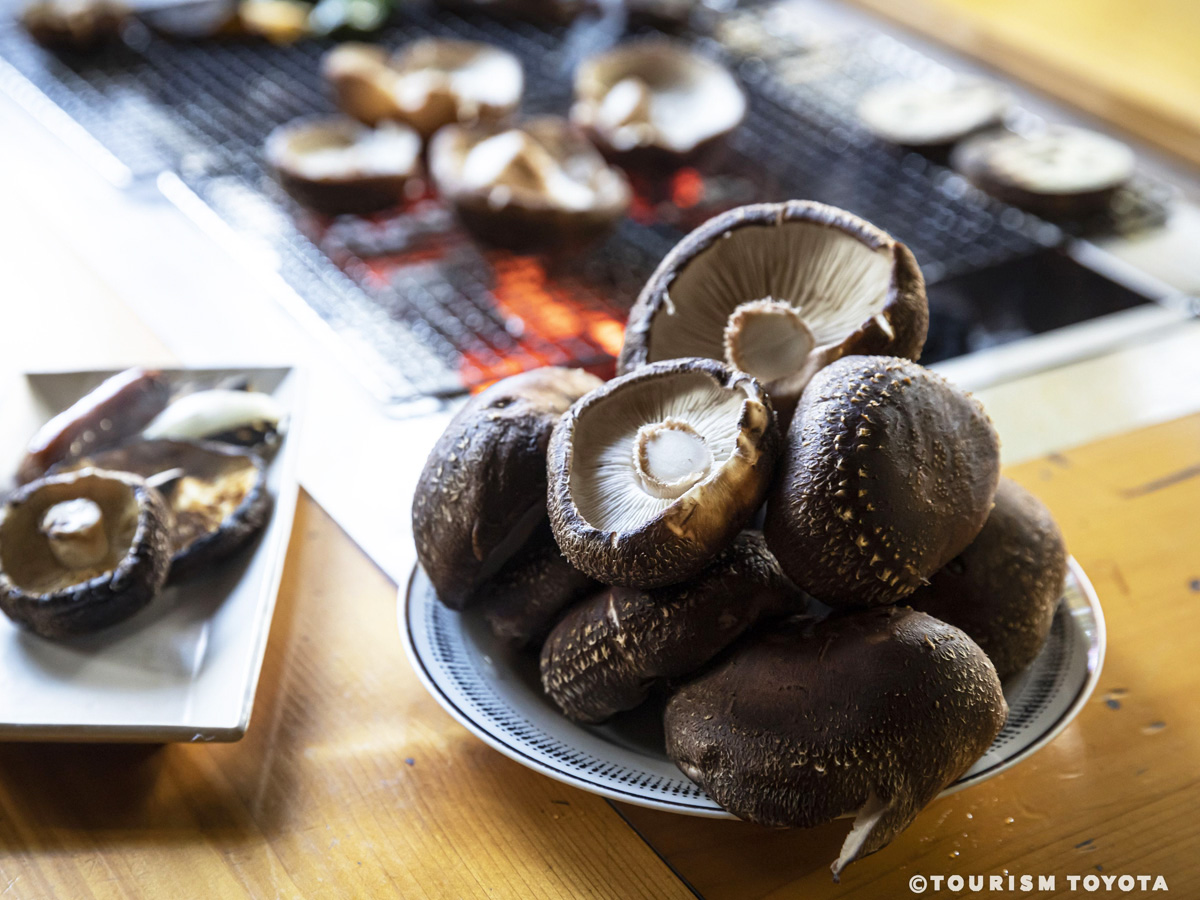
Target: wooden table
(353, 782)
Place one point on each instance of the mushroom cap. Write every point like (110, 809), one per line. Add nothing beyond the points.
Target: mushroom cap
(47, 596)
(539, 186)
(526, 598)
(655, 97)
(426, 84)
(607, 653)
(921, 114)
(856, 289)
(1059, 172)
(871, 713)
(336, 165)
(482, 492)
(80, 26)
(654, 473)
(218, 504)
(1004, 588)
(888, 473)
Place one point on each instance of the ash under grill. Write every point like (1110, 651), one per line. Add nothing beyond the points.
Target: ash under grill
(427, 310)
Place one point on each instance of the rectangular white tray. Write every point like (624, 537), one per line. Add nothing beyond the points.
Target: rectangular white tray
(186, 667)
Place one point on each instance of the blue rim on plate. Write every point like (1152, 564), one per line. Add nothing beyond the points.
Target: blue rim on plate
(494, 692)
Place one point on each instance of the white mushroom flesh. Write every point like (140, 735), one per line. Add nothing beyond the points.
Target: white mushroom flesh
(205, 413)
(641, 449)
(657, 94)
(514, 165)
(832, 280)
(767, 339)
(469, 74)
(325, 151)
(918, 113)
(1062, 161)
(74, 529)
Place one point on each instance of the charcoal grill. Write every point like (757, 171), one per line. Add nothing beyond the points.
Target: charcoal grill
(428, 311)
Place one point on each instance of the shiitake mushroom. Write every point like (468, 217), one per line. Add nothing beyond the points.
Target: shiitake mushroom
(525, 599)
(217, 495)
(606, 654)
(1004, 588)
(537, 187)
(427, 84)
(656, 102)
(888, 473)
(482, 492)
(652, 475)
(335, 165)
(81, 26)
(780, 290)
(1060, 172)
(869, 714)
(933, 116)
(120, 407)
(81, 551)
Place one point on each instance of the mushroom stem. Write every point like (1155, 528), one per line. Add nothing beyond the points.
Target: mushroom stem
(74, 529)
(767, 339)
(670, 457)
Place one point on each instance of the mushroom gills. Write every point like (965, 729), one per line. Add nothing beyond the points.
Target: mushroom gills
(514, 162)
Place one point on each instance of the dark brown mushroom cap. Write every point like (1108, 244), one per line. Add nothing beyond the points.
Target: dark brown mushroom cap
(608, 651)
(40, 592)
(218, 504)
(526, 598)
(335, 165)
(1003, 589)
(613, 523)
(536, 187)
(888, 473)
(856, 289)
(871, 713)
(483, 489)
(655, 101)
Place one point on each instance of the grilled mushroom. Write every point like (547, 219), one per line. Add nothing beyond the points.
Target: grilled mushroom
(933, 116)
(888, 473)
(870, 714)
(1059, 173)
(523, 601)
(1003, 589)
(77, 25)
(656, 101)
(539, 187)
(780, 290)
(653, 474)
(217, 494)
(427, 84)
(555, 12)
(82, 551)
(245, 418)
(336, 165)
(118, 409)
(609, 651)
(482, 492)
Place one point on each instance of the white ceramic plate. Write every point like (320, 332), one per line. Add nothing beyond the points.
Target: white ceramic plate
(496, 694)
(186, 667)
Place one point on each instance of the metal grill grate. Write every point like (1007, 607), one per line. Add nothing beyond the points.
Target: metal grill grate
(430, 312)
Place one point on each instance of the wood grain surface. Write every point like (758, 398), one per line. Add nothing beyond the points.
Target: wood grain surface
(351, 782)
(1117, 792)
(1135, 65)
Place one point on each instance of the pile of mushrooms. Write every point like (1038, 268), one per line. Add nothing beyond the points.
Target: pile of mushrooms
(839, 654)
(127, 490)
